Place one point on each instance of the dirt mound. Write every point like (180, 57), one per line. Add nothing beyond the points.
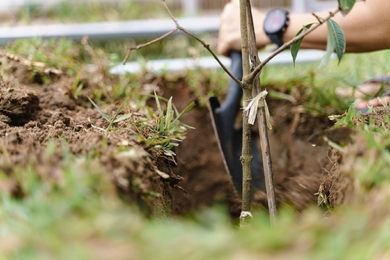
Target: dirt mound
(35, 116)
(347, 179)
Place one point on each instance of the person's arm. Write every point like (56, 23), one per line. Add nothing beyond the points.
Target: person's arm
(366, 28)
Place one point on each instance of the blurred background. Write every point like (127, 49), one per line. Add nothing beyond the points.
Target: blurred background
(13, 10)
(116, 24)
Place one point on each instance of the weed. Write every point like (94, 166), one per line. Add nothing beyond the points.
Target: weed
(166, 131)
(348, 119)
(168, 123)
(114, 119)
(77, 87)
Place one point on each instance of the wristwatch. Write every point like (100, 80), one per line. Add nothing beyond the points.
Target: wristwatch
(275, 23)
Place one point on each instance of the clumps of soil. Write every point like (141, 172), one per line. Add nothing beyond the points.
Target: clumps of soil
(17, 106)
(347, 179)
(335, 187)
(33, 115)
(377, 117)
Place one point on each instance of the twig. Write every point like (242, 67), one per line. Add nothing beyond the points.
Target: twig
(319, 19)
(170, 13)
(179, 28)
(288, 44)
(147, 44)
(253, 54)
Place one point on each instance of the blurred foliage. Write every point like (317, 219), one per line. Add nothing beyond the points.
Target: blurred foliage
(58, 53)
(322, 84)
(372, 168)
(90, 11)
(175, 46)
(79, 218)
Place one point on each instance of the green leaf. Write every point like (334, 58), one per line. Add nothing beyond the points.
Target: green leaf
(169, 115)
(295, 47)
(187, 109)
(124, 117)
(338, 36)
(117, 112)
(329, 50)
(346, 5)
(191, 127)
(161, 112)
(100, 110)
(336, 41)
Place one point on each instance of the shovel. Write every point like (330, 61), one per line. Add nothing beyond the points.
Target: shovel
(229, 138)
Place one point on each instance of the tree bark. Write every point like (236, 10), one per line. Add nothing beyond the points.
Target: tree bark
(246, 157)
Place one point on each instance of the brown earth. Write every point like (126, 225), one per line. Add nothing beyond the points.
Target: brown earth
(297, 164)
(342, 184)
(32, 114)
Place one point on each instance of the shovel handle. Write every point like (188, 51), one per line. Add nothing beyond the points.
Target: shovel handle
(231, 106)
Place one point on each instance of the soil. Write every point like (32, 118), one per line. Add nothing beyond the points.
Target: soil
(33, 113)
(341, 184)
(297, 164)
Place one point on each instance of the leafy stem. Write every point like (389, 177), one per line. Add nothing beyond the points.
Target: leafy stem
(297, 39)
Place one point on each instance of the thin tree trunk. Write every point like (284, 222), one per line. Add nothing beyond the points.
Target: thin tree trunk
(251, 88)
(261, 119)
(267, 163)
(246, 158)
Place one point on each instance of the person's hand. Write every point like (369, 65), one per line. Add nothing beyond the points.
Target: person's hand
(376, 102)
(229, 37)
(370, 88)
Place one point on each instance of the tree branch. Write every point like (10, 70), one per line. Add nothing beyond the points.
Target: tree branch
(147, 44)
(289, 43)
(179, 28)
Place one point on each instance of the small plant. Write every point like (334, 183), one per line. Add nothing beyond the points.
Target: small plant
(166, 131)
(77, 86)
(168, 122)
(168, 125)
(110, 120)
